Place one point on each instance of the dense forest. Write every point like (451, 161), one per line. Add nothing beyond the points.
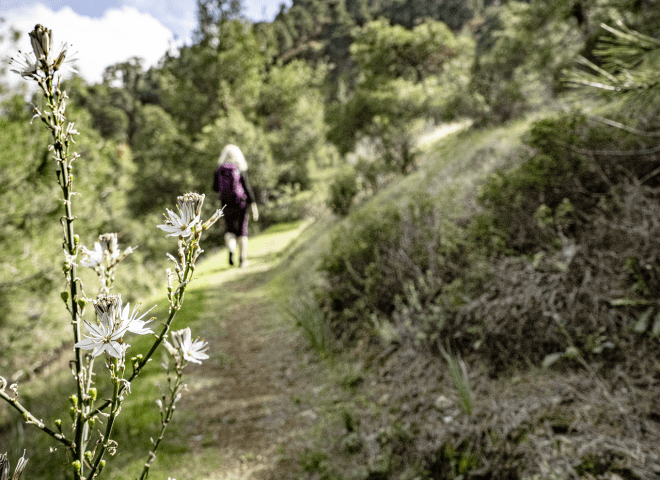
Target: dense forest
(543, 259)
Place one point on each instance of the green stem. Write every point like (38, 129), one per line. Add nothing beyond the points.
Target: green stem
(111, 421)
(163, 334)
(65, 179)
(164, 424)
(29, 418)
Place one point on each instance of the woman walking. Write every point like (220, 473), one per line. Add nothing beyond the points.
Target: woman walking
(235, 193)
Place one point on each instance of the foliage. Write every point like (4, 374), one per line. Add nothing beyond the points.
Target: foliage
(521, 49)
(342, 191)
(292, 113)
(399, 69)
(310, 319)
(482, 282)
(629, 68)
(211, 13)
(236, 129)
(157, 151)
(222, 71)
(381, 50)
(375, 254)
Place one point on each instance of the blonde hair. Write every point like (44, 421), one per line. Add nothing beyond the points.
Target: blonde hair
(232, 154)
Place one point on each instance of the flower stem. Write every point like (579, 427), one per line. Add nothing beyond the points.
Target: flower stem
(114, 411)
(138, 368)
(165, 421)
(55, 120)
(29, 418)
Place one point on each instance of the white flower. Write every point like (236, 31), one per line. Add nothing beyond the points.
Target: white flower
(61, 63)
(112, 324)
(107, 334)
(105, 254)
(92, 258)
(192, 201)
(192, 351)
(26, 66)
(109, 245)
(135, 325)
(43, 59)
(182, 225)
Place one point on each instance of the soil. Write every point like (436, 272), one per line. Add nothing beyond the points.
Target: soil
(247, 404)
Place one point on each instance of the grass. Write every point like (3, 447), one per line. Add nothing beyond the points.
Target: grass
(461, 381)
(309, 317)
(361, 423)
(138, 421)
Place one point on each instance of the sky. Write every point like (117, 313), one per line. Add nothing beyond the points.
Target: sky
(105, 32)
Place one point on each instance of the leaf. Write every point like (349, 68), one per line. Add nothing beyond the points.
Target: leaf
(655, 331)
(621, 302)
(643, 321)
(551, 359)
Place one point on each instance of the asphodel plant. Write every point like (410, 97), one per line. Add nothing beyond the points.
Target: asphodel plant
(102, 331)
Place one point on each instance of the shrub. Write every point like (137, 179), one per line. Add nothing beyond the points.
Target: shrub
(378, 251)
(558, 258)
(342, 191)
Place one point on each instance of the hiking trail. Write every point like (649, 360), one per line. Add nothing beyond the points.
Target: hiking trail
(244, 399)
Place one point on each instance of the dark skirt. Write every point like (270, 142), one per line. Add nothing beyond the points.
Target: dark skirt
(236, 219)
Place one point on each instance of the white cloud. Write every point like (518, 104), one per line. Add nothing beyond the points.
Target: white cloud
(99, 42)
(177, 15)
(260, 10)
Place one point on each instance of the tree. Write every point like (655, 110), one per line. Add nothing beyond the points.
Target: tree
(291, 111)
(212, 14)
(398, 69)
(628, 71)
(382, 50)
(158, 149)
(221, 72)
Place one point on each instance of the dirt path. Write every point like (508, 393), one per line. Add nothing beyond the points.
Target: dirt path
(246, 402)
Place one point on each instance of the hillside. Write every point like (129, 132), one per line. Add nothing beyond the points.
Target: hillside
(278, 400)
(454, 273)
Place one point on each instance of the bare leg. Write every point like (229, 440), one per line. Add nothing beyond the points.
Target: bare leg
(242, 251)
(230, 241)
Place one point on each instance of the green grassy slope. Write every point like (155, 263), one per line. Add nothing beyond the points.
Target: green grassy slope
(280, 398)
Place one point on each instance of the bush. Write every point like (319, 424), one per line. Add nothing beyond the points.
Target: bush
(342, 191)
(558, 259)
(378, 251)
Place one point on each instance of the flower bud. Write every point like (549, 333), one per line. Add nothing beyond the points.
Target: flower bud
(101, 465)
(41, 39)
(76, 466)
(92, 422)
(88, 456)
(92, 393)
(73, 400)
